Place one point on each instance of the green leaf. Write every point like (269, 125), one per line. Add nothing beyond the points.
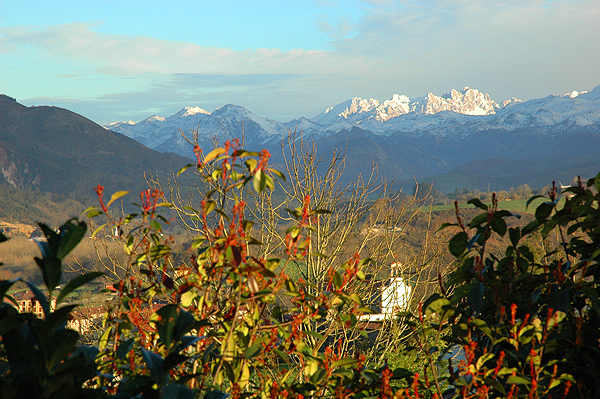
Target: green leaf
(479, 219)
(282, 355)
(516, 380)
(93, 211)
(483, 359)
(41, 298)
(356, 299)
(166, 323)
(499, 226)
(437, 305)
(216, 395)
(187, 298)
(544, 210)
(243, 153)
(154, 363)
(478, 203)
(105, 338)
(597, 182)
(337, 280)
(446, 225)
(179, 391)
(172, 360)
(51, 271)
(531, 227)
(213, 154)
(209, 207)
(70, 235)
(483, 326)
(116, 196)
(258, 181)
(458, 244)
(475, 296)
(530, 200)
(251, 164)
(515, 235)
(76, 283)
(124, 348)
(5, 286)
(186, 167)
(346, 362)
(278, 174)
(98, 230)
(495, 384)
(253, 351)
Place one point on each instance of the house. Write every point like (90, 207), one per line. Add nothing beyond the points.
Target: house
(28, 303)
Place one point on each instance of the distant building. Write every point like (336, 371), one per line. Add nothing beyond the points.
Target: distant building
(395, 296)
(28, 303)
(83, 320)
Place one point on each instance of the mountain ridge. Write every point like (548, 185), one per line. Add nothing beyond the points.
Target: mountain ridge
(56, 150)
(456, 112)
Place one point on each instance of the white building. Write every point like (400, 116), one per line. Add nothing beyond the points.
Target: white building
(395, 296)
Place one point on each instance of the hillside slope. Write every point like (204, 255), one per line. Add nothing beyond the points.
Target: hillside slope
(56, 150)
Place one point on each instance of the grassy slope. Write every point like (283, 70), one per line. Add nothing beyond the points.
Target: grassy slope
(517, 206)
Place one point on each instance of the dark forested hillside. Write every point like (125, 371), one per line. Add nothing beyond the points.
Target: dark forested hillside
(55, 150)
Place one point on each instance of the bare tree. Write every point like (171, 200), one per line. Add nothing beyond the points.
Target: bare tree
(365, 218)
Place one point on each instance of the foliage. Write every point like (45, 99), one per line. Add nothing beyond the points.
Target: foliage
(527, 326)
(222, 331)
(40, 357)
(232, 322)
(362, 218)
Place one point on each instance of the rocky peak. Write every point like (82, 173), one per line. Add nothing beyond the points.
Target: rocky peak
(468, 101)
(358, 106)
(511, 101)
(396, 106)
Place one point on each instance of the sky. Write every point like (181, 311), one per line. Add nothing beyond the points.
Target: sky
(126, 60)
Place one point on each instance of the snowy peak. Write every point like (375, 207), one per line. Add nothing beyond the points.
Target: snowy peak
(468, 101)
(575, 93)
(153, 118)
(510, 101)
(231, 109)
(117, 124)
(458, 112)
(398, 105)
(359, 106)
(189, 111)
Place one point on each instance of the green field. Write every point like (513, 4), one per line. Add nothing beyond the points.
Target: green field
(517, 206)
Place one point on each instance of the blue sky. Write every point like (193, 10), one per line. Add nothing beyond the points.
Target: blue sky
(121, 60)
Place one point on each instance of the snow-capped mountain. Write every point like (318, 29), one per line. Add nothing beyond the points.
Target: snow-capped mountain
(457, 113)
(357, 110)
(167, 134)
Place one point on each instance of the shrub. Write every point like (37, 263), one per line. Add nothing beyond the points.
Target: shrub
(527, 326)
(516, 323)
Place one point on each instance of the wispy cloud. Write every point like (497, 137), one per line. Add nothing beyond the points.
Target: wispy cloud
(119, 55)
(481, 42)
(523, 48)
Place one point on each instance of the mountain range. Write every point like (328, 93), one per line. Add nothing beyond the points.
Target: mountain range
(407, 138)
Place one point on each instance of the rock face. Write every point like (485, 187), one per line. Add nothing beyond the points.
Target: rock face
(398, 105)
(17, 171)
(468, 102)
